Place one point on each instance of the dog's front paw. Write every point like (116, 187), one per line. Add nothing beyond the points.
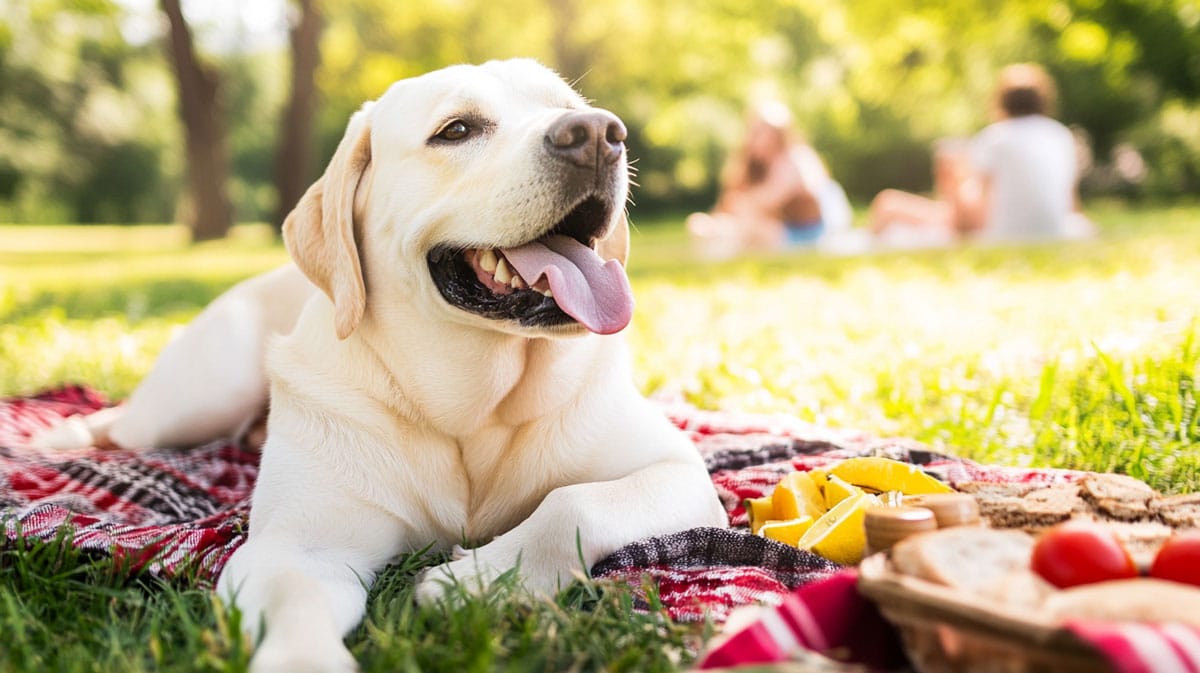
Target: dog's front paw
(299, 657)
(70, 433)
(466, 575)
(475, 572)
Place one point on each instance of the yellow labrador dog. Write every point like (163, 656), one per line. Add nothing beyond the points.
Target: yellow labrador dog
(450, 372)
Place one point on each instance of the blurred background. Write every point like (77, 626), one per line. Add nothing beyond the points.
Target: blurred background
(98, 98)
(1081, 354)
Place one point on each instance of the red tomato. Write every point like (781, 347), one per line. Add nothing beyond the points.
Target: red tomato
(1179, 559)
(1081, 552)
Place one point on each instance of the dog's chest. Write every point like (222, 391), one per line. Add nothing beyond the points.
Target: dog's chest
(509, 470)
(504, 422)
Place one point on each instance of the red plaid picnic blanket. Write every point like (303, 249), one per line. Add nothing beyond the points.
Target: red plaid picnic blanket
(182, 513)
(173, 513)
(166, 512)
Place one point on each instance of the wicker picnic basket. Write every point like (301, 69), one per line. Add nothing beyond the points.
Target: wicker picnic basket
(944, 632)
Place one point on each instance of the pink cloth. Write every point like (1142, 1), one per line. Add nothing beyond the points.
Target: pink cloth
(1133, 647)
(829, 617)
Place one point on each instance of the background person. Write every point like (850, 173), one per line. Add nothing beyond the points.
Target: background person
(1016, 179)
(775, 192)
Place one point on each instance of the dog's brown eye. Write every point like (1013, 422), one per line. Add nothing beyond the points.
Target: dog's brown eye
(455, 130)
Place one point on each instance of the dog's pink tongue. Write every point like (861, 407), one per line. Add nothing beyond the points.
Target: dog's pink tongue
(585, 287)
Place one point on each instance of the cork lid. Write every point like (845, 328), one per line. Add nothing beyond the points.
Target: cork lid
(950, 509)
(888, 525)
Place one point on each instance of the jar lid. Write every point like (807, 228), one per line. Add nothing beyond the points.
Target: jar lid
(885, 526)
(950, 509)
(904, 518)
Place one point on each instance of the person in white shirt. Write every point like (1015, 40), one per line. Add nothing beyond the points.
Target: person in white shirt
(1015, 180)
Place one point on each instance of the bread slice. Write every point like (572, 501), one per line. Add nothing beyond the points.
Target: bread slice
(1142, 539)
(994, 490)
(1178, 511)
(1030, 508)
(1048, 506)
(1020, 588)
(970, 558)
(1118, 496)
(1142, 599)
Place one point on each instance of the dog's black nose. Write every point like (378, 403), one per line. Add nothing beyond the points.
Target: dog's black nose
(588, 139)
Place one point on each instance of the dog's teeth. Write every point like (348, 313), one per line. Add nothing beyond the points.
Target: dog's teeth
(518, 283)
(487, 259)
(503, 275)
(546, 292)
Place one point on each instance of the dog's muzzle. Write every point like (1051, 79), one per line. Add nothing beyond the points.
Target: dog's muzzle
(552, 280)
(556, 278)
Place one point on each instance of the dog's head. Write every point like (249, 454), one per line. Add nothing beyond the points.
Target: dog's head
(489, 194)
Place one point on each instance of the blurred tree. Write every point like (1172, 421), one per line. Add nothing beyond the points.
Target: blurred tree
(82, 136)
(571, 57)
(85, 119)
(294, 157)
(1166, 34)
(915, 71)
(209, 212)
(679, 72)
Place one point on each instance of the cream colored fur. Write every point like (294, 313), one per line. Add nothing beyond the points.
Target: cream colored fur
(398, 421)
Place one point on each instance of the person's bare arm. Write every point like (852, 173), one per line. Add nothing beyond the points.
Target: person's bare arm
(971, 202)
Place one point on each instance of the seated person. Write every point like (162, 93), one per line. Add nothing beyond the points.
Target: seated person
(775, 191)
(1014, 180)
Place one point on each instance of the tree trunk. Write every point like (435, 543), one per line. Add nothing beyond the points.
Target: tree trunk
(209, 212)
(294, 158)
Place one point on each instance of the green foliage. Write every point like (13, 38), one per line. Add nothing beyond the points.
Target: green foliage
(84, 132)
(1165, 35)
(911, 72)
(88, 129)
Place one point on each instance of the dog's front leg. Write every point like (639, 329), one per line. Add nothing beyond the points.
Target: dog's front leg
(575, 526)
(307, 590)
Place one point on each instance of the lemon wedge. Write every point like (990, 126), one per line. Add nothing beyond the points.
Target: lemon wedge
(760, 510)
(884, 474)
(797, 495)
(837, 490)
(787, 532)
(840, 535)
(819, 477)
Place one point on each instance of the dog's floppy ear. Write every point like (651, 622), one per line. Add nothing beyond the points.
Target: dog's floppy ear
(616, 244)
(319, 232)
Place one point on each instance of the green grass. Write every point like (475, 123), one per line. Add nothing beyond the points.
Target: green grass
(1084, 355)
(1080, 355)
(60, 611)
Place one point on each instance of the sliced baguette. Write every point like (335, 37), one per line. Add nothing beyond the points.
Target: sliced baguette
(969, 558)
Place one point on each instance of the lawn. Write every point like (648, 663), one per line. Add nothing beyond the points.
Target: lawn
(1083, 355)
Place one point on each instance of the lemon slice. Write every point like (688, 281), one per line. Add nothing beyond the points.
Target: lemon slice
(795, 496)
(837, 490)
(819, 477)
(787, 532)
(884, 474)
(760, 510)
(840, 534)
